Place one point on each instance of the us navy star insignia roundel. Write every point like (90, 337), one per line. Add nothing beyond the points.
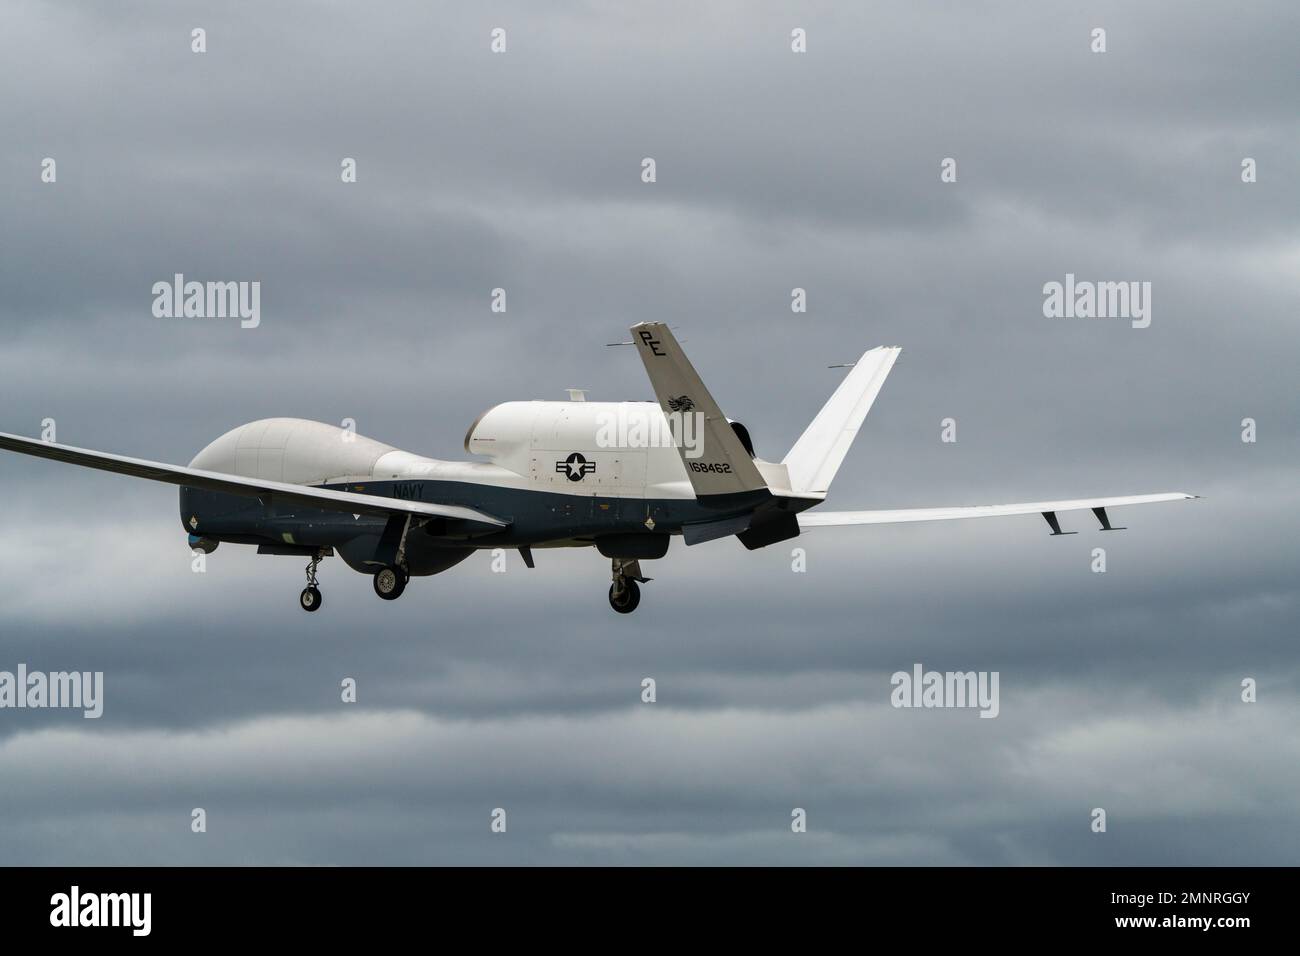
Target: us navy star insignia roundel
(575, 467)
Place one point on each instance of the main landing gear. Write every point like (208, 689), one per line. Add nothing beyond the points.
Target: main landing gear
(310, 599)
(624, 593)
(390, 582)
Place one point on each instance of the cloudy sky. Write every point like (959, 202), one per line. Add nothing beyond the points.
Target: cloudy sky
(775, 170)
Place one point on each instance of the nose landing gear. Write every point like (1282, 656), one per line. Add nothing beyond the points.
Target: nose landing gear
(624, 593)
(310, 599)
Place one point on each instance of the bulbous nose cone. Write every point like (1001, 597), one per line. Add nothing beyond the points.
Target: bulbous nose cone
(292, 450)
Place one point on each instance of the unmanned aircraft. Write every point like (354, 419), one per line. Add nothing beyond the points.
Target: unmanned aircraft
(623, 477)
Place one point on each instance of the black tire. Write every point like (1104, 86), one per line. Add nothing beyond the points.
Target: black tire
(310, 599)
(626, 602)
(389, 582)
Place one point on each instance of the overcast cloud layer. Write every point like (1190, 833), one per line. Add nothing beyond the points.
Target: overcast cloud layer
(775, 170)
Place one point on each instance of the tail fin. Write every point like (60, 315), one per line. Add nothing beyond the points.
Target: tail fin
(817, 455)
(724, 467)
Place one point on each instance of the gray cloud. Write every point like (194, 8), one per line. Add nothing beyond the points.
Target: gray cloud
(522, 690)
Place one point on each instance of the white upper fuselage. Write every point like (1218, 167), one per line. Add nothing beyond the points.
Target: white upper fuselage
(527, 443)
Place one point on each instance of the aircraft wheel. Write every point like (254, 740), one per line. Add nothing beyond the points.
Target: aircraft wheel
(389, 583)
(627, 601)
(310, 599)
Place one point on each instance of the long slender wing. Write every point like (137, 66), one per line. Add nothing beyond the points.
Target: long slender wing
(826, 519)
(345, 501)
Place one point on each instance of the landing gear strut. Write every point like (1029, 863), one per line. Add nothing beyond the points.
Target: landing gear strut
(310, 599)
(390, 582)
(624, 593)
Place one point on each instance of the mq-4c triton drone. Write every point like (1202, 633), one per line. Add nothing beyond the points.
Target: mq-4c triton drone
(557, 474)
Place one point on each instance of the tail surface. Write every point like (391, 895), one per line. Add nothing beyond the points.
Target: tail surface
(721, 465)
(820, 450)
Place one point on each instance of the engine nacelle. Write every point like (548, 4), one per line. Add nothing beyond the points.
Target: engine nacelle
(743, 434)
